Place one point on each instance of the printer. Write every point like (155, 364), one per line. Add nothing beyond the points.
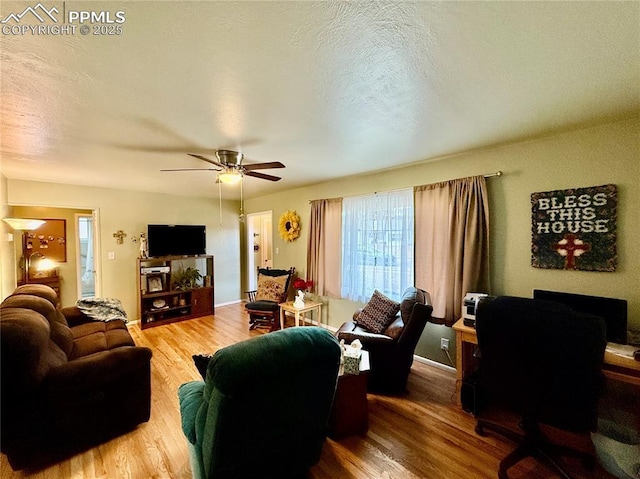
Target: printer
(470, 306)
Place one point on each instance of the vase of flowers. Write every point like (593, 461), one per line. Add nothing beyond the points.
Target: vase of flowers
(303, 285)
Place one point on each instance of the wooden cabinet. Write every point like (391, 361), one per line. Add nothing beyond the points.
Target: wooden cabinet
(202, 301)
(159, 302)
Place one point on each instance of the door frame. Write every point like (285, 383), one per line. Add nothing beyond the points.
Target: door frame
(95, 215)
(262, 241)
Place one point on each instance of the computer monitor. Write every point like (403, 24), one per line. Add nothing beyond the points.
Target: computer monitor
(613, 311)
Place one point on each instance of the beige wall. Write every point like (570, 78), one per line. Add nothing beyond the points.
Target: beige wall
(7, 245)
(587, 157)
(131, 212)
(67, 269)
(582, 158)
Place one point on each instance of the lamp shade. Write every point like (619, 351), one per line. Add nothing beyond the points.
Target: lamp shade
(23, 224)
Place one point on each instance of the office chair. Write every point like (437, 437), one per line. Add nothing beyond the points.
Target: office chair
(542, 361)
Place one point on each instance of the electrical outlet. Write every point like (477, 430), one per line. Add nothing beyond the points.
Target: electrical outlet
(444, 344)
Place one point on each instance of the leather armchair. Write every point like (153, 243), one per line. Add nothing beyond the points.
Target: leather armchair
(391, 352)
(263, 408)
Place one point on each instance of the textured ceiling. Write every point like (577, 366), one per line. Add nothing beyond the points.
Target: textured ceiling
(327, 88)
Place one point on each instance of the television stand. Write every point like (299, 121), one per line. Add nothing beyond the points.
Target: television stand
(162, 301)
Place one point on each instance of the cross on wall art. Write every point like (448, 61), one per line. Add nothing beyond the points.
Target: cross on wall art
(575, 229)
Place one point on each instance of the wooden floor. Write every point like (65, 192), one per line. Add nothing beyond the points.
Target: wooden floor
(422, 434)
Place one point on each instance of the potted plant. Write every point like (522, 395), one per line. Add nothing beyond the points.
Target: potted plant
(185, 279)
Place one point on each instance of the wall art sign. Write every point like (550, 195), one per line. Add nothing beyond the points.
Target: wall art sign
(575, 229)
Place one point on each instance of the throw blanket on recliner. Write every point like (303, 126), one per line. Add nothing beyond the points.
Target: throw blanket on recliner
(102, 309)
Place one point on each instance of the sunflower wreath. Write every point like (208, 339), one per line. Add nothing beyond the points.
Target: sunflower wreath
(289, 226)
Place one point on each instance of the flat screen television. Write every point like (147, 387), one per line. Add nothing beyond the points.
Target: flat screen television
(176, 240)
(613, 311)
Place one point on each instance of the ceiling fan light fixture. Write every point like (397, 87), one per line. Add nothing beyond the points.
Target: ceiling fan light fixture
(230, 177)
(229, 157)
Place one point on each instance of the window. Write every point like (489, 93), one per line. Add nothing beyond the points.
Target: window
(377, 244)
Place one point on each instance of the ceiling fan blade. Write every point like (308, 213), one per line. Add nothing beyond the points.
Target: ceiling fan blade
(200, 157)
(262, 176)
(263, 166)
(164, 149)
(193, 169)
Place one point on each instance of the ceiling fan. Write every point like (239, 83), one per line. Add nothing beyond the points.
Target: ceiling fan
(230, 164)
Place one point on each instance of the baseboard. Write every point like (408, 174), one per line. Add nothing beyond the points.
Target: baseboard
(228, 303)
(420, 359)
(334, 329)
(433, 363)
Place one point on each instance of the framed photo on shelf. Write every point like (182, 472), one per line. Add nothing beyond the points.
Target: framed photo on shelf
(154, 283)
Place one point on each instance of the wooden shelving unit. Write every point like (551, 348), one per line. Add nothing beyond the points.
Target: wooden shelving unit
(159, 303)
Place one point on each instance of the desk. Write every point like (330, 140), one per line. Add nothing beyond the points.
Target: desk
(309, 306)
(615, 367)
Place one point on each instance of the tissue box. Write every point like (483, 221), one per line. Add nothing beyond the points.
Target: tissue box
(352, 361)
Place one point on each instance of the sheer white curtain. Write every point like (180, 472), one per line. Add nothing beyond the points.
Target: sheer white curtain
(377, 244)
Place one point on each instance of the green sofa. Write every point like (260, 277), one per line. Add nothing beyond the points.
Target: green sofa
(263, 408)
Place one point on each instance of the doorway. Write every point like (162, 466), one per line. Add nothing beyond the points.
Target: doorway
(87, 277)
(259, 244)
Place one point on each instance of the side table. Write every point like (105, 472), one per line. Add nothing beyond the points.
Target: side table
(350, 412)
(309, 306)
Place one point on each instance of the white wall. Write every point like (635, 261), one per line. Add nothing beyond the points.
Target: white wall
(131, 211)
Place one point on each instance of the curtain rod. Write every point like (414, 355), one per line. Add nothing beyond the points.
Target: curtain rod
(498, 174)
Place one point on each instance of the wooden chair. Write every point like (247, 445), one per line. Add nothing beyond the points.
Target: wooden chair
(273, 289)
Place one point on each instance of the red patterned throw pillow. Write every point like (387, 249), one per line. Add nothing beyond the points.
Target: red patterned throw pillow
(378, 313)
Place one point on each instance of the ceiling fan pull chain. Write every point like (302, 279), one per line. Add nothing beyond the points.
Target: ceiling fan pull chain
(220, 200)
(241, 217)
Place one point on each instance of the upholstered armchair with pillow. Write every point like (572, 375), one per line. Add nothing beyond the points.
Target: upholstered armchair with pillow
(390, 332)
(273, 289)
(263, 408)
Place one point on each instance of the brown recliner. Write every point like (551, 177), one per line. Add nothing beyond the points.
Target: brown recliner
(391, 352)
(67, 385)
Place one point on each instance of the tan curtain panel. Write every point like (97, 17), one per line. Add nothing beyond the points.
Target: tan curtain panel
(324, 247)
(452, 243)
